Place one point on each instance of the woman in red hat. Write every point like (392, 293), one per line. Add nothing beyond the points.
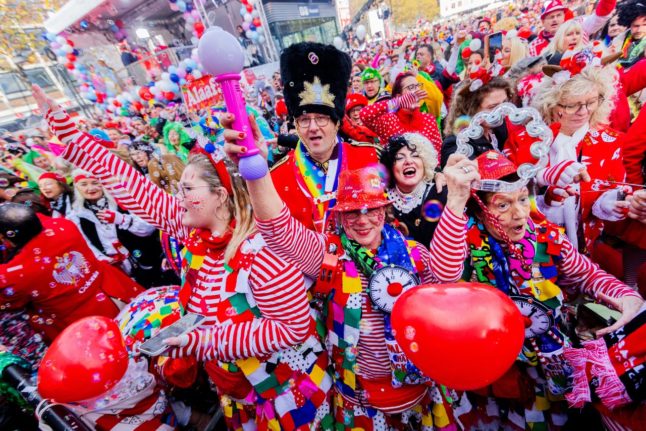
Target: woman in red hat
(352, 126)
(57, 193)
(359, 272)
(258, 341)
(514, 249)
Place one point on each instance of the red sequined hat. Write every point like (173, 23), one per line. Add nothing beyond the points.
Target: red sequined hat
(360, 189)
(493, 165)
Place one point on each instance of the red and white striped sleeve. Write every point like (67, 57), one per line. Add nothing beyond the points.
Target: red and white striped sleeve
(131, 189)
(448, 248)
(292, 241)
(280, 294)
(577, 272)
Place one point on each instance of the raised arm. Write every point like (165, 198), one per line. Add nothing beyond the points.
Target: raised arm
(131, 189)
(281, 297)
(287, 237)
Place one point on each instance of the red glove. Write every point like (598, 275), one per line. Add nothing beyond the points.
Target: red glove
(605, 7)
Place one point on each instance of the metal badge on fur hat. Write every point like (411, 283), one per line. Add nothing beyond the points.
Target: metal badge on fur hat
(315, 78)
(361, 189)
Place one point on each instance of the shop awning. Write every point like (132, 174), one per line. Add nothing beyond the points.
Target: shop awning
(70, 13)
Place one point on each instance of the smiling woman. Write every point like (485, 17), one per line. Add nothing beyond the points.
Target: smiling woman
(521, 254)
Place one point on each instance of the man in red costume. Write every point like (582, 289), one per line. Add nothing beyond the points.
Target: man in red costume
(50, 271)
(315, 78)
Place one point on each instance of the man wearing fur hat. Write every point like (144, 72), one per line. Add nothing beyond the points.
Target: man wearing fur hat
(556, 13)
(315, 77)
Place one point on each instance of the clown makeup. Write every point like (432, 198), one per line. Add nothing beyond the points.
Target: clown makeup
(364, 226)
(199, 202)
(50, 188)
(90, 189)
(512, 211)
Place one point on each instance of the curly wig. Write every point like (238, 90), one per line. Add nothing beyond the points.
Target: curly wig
(550, 92)
(414, 142)
(629, 10)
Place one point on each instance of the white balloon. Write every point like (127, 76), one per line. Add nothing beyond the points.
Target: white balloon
(165, 76)
(261, 39)
(475, 45)
(247, 17)
(255, 13)
(197, 74)
(249, 33)
(337, 42)
(260, 31)
(361, 32)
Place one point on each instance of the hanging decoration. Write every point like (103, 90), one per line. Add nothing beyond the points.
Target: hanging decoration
(252, 24)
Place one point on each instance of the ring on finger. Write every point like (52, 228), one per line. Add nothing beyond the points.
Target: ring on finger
(466, 169)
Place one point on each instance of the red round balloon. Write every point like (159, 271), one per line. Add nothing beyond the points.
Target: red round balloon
(86, 360)
(144, 93)
(70, 66)
(249, 8)
(169, 95)
(256, 22)
(462, 335)
(71, 57)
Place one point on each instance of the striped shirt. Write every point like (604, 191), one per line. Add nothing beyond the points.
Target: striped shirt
(274, 286)
(305, 248)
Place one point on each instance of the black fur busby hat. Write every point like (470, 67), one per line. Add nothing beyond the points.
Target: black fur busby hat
(315, 79)
(629, 10)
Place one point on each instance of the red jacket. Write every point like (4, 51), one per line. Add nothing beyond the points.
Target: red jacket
(297, 199)
(386, 124)
(57, 278)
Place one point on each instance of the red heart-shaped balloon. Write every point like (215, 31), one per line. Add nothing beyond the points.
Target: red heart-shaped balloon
(462, 335)
(86, 360)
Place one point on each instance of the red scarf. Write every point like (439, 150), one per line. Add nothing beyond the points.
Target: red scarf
(411, 120)
(202, 241)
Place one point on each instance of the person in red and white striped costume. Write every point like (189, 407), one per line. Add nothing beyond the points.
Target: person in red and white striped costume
(359, 273)
(258, 334)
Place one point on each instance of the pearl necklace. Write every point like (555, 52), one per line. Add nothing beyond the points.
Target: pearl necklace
(406, 202)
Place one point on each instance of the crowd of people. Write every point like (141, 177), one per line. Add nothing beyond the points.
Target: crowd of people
(506, 149)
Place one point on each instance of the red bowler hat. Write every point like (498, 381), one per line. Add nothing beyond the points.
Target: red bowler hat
(353, 100)
(493, 165)
(360, 189)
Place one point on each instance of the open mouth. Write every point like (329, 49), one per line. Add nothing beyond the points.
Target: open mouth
(409, 172)
(315, 140)
(518, 229)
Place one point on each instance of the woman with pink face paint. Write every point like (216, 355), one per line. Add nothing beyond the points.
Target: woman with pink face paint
(258, 341)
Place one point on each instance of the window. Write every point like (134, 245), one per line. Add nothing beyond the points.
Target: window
(39, 76)
(11, 83)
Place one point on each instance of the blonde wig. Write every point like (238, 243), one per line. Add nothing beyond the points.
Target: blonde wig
(557, 45)
(518, 51)
(553, 90)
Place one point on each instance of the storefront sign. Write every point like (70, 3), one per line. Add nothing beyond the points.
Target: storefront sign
(202, 93)
(308, 10)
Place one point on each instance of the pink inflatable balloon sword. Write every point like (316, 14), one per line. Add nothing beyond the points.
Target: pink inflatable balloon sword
(222, 56)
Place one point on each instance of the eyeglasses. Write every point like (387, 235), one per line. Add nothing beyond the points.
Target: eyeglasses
(574, 108)
(183, 190)
(305, 122)
(373, 214)
(413, 87)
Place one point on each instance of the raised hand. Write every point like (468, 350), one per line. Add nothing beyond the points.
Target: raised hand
(459, 174)
(231, 137)
(44, 102)
(563, 174)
